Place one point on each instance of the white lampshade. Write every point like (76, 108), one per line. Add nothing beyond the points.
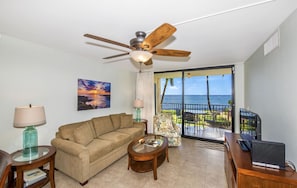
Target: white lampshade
(138, 103)
(29, 116)
(140, 56)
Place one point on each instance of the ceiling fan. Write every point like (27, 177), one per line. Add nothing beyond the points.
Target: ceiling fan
(142, 47)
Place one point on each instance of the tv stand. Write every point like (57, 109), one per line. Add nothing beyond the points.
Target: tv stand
(240, 172)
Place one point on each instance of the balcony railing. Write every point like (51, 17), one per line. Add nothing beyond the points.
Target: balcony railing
(218, 116)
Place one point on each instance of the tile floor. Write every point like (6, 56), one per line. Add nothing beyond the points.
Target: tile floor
(190, 165)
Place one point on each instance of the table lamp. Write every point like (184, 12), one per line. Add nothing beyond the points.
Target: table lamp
(138, 104)
(29, 117)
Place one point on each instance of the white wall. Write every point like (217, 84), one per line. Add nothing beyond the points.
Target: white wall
(239, 92)
(38, 75)
(270, 88)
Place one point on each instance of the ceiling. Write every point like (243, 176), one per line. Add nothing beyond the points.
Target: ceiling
(216, 32)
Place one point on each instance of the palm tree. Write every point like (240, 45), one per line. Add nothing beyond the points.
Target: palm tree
(207, 89)
(165, 86)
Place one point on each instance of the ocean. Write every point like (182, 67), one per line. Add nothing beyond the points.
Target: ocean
(198, 99)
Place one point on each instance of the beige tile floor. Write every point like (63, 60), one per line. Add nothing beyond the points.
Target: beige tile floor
(190, 166)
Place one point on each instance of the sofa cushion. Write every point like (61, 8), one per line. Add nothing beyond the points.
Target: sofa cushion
(133, 131)
(126, 121)
(118, 139)
(98, 148)
(116, 120)
(66, 131)
(102, 125)
(83, 134)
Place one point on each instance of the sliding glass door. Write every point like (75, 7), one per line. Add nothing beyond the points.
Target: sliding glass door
(200, 100)
(169, 96)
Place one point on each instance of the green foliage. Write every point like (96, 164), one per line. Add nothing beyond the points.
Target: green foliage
(221, 119)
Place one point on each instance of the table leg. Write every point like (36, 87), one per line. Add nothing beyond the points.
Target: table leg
(52, 172)
(20, 179)
(155, 167)
(167, 156)
(129, 161)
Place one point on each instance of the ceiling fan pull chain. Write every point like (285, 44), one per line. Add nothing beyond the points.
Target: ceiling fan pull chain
(140, 63)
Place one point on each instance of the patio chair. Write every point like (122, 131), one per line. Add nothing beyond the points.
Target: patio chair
(191, 118)
(5, 167)
(165, 126)
(212, 121)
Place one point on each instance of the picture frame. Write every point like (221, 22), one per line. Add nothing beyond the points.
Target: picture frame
(93, 94)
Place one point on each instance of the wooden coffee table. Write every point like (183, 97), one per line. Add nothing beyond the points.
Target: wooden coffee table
(147, 153)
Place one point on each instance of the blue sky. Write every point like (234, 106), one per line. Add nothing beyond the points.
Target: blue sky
(196, 85)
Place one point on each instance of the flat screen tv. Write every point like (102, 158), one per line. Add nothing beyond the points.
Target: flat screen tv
(250, 125)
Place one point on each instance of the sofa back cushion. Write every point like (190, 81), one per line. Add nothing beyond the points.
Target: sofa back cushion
(84, 134)
(116, 120)
(126, 121)
(102, 125)
(66, 131)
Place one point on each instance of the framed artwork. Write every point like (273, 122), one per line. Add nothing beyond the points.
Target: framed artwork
(93, 94)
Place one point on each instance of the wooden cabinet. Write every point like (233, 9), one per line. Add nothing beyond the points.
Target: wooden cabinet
(230, 170)
(240, 173)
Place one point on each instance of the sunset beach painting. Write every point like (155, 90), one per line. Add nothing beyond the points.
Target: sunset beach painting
(93, 94)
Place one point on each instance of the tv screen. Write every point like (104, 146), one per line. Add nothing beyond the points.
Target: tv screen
(250, 125)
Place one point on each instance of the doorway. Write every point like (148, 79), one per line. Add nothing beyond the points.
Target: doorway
(200, 100)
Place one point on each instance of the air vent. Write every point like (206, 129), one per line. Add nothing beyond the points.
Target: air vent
(272, 43)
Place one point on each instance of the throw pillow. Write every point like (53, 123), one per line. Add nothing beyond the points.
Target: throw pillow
(116, 120)
(66, 131)
(83, 134)
(126, 121)
(102, 125)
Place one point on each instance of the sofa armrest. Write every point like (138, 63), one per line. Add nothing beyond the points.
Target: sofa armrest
(72, 159)
(70, 147)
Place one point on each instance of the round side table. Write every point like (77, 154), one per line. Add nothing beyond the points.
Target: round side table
(46, 154)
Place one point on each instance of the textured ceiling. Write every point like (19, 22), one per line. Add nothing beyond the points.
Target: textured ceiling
(216, 32)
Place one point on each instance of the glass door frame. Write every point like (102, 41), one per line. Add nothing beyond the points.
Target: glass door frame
(183, 92)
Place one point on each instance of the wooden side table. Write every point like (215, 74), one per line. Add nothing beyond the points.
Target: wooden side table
(142, 121)
(46, 154)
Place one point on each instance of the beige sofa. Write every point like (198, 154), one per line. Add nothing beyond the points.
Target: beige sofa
(86, 148)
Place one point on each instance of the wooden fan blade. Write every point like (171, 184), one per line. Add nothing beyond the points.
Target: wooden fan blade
(157, 36)
(149, 62)
(169, 52)
(119, 55)
(108, 41)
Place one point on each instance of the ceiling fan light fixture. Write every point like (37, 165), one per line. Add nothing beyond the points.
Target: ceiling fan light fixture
(143, 47)
(140, 56)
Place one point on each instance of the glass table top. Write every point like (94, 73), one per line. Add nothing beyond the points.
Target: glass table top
(18, 156)
(148, 143)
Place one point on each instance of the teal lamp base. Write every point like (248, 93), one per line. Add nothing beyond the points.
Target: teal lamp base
(138, 114)
(30, 142)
